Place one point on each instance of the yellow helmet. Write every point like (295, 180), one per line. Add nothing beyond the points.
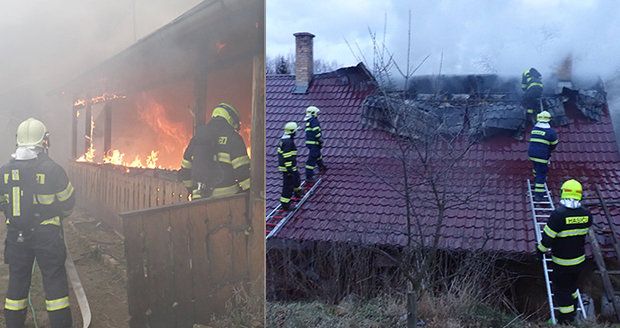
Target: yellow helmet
(32, 133)
(229, 113)
(290, 128)
(571, 189)
(312, 111)
(543, 116)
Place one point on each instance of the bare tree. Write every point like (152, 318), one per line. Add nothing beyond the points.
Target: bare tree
(323, 66)
(428, 156)
(285, 64)
(282, 66)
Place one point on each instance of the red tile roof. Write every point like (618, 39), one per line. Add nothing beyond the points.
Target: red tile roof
(354, 204)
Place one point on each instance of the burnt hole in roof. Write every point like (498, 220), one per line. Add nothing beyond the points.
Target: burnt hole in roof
(479, 107)
(591, 103)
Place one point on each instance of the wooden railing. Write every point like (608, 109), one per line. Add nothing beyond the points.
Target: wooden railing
(184, 261)
(108, 190)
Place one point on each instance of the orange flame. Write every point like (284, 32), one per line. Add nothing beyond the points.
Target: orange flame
(116, 157)
(79, 103)
(88, 156)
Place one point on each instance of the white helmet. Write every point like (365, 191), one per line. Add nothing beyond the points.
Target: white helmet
(312, 111)
(543, 116)
(290, 128)
(32, 133)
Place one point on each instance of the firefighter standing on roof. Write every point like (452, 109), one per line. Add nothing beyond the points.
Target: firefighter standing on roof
(287, 164)
(564, 235)
(531, 84)
(36, 197)
(314, 142)
(216, 162)
(543, 140)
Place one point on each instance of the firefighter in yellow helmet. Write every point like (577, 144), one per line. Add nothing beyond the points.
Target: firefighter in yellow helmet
(216, 162)
(37, 195)
(287, 164)
(564, 235)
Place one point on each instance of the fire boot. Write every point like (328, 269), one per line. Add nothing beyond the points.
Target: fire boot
(297, 194)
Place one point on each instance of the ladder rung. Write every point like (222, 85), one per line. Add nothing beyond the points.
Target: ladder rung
(611, 272)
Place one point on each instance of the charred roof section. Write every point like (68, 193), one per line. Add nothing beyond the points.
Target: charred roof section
(479, 106)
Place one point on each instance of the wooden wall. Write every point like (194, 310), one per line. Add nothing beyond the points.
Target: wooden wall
(184, 261)
(107, 190)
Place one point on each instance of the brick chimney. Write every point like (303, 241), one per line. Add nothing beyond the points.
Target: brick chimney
(304, 61)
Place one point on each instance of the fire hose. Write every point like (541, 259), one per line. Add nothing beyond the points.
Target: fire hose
(78, 289)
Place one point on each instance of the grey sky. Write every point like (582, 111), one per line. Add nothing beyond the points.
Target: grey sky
(475, 35)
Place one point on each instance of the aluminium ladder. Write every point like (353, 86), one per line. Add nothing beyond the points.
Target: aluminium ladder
(277, 218)
(541, 211)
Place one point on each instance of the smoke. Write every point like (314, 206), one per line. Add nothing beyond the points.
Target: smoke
(475, 36)
(47, 43)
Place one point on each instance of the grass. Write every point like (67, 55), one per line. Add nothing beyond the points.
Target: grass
(445, 311)
(243, 310)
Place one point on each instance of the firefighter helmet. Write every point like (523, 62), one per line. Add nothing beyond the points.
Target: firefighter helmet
(543, 117)
(290, 128)
(312, 111)
(32, 133)
(571, 189)
(229, 113)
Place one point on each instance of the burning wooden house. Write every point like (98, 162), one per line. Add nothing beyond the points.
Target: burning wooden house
(132, 117)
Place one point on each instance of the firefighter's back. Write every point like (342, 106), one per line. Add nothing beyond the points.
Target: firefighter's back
(573, 225)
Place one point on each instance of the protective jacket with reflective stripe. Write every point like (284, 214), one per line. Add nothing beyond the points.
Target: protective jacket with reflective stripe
(542, 142)
(313, 131)
(531, 79)
(35, 191)
(216, 156)
(565, 235)
(287, 154)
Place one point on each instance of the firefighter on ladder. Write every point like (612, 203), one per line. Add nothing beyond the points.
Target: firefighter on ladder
(36, 196)
(287, 164)
(314, 142)
(216, 162)
(532, 86)
(543, 140)
(564, 235)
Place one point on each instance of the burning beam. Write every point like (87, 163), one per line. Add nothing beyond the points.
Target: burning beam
(81, 103)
